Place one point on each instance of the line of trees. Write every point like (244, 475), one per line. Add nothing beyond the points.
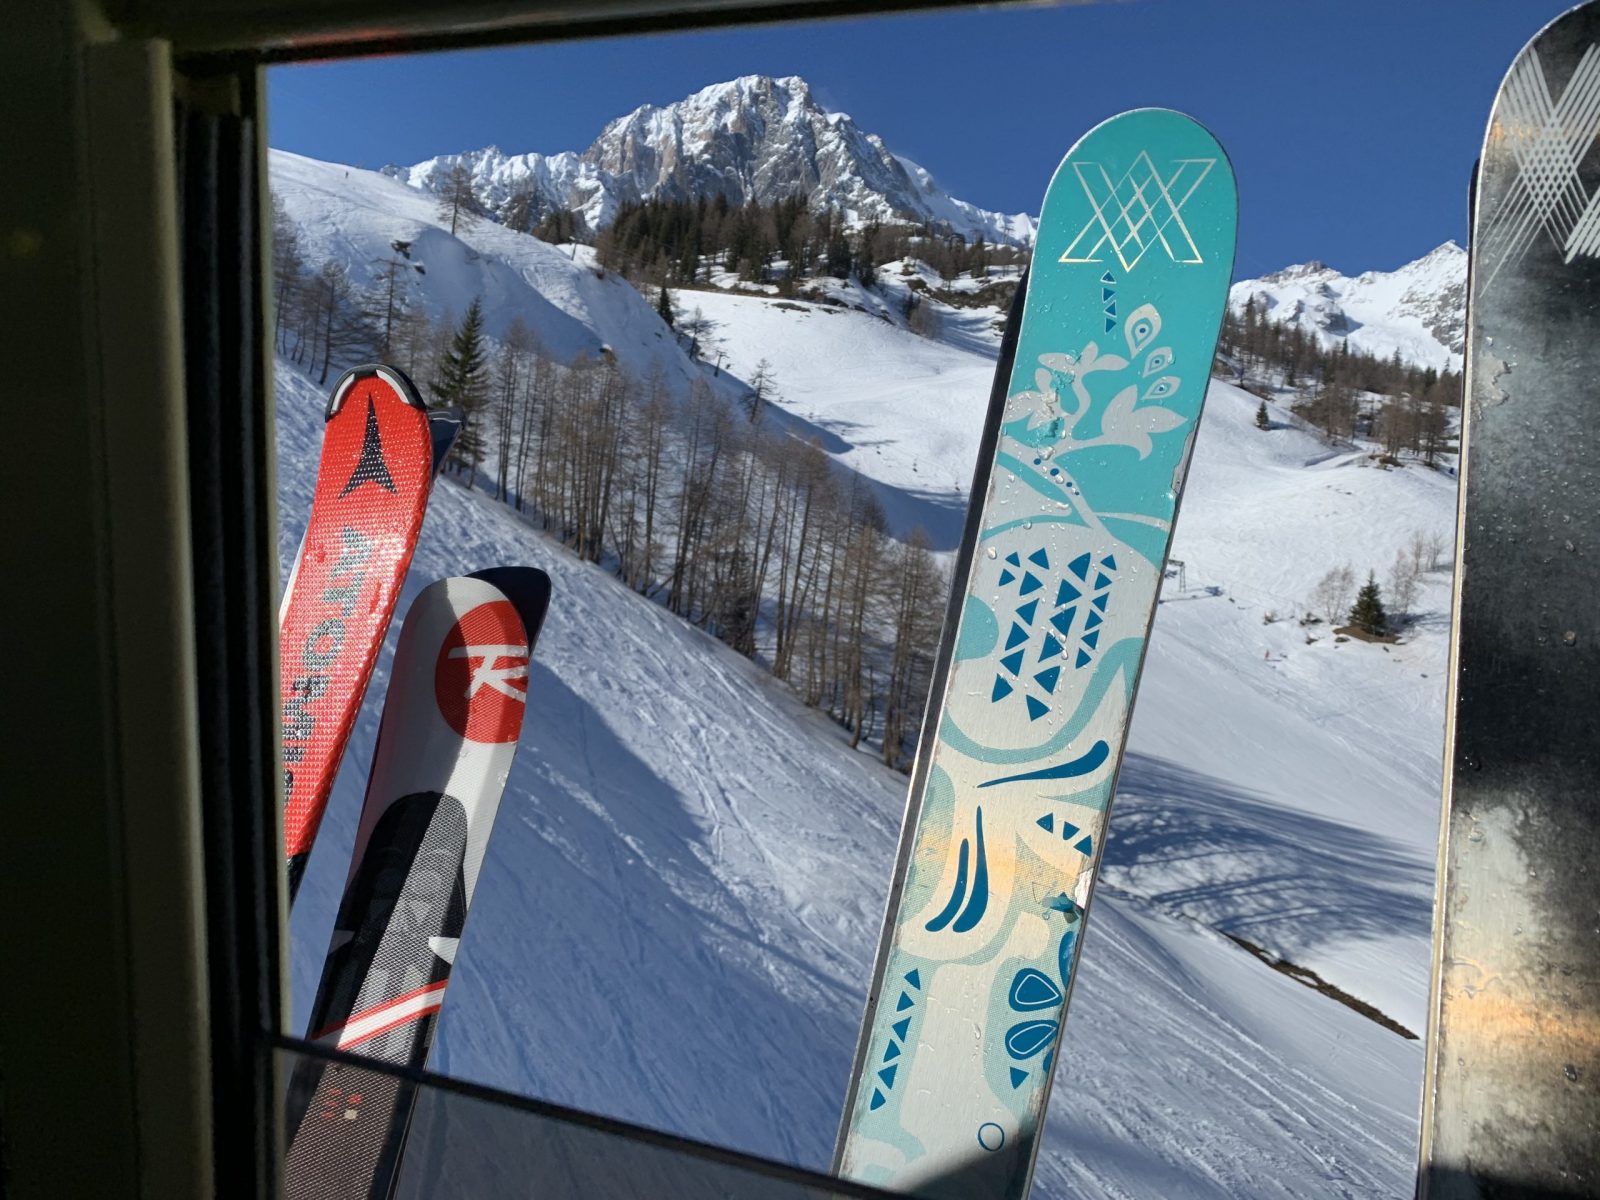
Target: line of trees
(1333, 383)
(683, 241)
(701, 504)
(705, 506)
(1336, 595)
(323, 323)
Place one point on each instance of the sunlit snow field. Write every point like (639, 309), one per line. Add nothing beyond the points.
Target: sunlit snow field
(678, 912)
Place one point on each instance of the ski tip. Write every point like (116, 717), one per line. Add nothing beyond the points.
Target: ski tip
(393, 376)
(528, 589)
(444, 426)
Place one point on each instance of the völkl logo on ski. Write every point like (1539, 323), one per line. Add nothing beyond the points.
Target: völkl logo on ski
(1091, 426)
(1137, 210)
(1550, 128)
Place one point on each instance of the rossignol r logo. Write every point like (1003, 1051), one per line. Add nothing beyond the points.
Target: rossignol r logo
(481, 677)
(496, 667)
(320, 650)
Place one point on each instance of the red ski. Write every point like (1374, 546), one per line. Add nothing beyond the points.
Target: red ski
(377, 468)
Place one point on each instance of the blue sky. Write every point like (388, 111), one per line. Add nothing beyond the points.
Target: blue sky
(1352, 126)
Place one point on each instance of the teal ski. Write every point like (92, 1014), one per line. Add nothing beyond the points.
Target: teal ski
(1073, 505)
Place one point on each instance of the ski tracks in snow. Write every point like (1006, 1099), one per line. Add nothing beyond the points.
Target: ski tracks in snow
(676, 920)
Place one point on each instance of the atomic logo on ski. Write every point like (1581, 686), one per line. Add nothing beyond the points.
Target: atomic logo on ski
(370, 468)
(481, 679)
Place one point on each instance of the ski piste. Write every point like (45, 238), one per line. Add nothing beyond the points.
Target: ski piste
(1511, 1093)
(379, 455)
(1073, 504)
(451, 720)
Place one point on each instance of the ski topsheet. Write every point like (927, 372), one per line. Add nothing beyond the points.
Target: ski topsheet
(378, 458)
(1511, 1095)
(449, 733)
(1058, 580)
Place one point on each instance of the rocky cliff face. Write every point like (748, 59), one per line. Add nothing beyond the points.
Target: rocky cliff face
(754, 138)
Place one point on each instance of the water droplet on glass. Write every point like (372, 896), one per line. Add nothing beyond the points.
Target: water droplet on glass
(1570, 637)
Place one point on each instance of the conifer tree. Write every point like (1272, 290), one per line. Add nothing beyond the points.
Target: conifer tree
(456, 201)
(463, 381)
(521, 211)
(1367, 612)
(664, 305)
(1262, 420)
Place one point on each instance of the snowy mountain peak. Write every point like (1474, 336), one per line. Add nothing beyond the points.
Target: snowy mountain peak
(754, 138)
(1417, 310)
(1449, 256)
(1303, 270)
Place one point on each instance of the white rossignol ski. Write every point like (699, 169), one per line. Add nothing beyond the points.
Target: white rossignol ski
(451, 720)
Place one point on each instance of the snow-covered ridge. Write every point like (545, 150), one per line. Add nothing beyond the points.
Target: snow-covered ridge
(1418, 310)
(752, 138)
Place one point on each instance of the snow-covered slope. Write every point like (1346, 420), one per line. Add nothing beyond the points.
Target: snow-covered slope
(351, 216)
(1305, 774)
(752, 138)
(680, 904)
(903, 411)
(848, 397)
(1418, 310)
(676, 918)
